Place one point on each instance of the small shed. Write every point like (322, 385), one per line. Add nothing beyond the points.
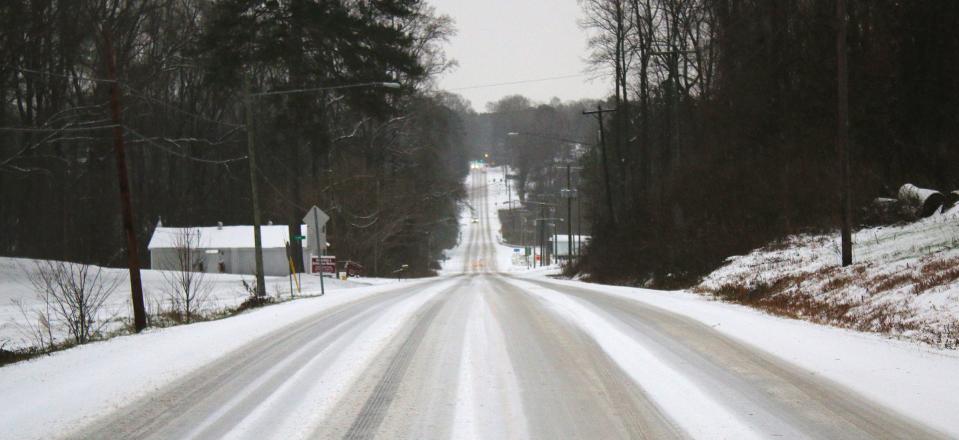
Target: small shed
(224, 249)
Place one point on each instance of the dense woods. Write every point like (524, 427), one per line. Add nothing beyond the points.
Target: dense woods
(385, 163)
(725, 131)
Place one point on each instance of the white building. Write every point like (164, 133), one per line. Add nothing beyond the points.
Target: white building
(561, 247)
(225, 249)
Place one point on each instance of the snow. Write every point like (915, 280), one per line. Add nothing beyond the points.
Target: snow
(694, 410)
(880, 288)
(915, 380)
(57, 393)
(487, 380)
(307, 397)
(225, 237)
(226, 291)
(497, 198)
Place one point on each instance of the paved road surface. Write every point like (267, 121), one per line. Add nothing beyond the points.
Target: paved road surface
(483, 357)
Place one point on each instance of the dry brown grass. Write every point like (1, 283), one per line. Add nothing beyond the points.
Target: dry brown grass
(935, 273)
(889, 281)
(791, 296)
(821, 297)
(837, 283)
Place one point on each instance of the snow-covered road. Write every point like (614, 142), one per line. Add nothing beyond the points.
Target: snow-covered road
(485, 351)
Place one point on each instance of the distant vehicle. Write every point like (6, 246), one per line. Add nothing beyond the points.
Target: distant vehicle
(475, 220)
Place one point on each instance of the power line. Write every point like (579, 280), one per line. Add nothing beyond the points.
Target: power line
(181, 154)
(74, 76)
(391, 85)
(278, 192)
(132, 92)
(525, 81)
(56, 130)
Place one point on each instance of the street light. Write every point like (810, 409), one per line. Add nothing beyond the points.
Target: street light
(250, 136)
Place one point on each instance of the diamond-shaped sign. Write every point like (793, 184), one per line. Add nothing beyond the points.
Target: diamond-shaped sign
(316, 217)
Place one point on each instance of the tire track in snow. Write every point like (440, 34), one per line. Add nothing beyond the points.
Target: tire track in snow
(488, 401)
(766, 394)
(216, 398)
(374, 411)
(570, 387)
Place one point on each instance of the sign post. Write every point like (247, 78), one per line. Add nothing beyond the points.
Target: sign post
(317, 218)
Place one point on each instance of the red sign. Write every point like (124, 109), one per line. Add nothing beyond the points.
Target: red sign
(327, 265)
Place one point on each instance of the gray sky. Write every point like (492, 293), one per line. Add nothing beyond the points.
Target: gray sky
(501, 41)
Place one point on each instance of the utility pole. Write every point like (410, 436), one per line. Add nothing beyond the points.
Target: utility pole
(579, 227)
(251, 152)
(429, 251)
(605, 160)
(842, 137)
(509, 199)
(569, 213)
(133, 255)
(541, 234)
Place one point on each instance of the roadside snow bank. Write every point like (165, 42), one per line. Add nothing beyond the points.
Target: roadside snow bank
(904, 283)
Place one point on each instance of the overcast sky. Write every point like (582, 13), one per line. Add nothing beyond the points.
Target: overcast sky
(501, 41)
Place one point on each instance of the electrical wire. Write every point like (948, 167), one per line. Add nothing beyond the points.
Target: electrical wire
(525, 81)
(181, 154)
(132, 92)
(85, 78)
(56, 130)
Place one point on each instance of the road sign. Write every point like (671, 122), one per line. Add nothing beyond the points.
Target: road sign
(516, 250)
(316, 217)
(299, 237)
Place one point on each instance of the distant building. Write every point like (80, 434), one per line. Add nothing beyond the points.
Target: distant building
(560, 244)
(224, 249)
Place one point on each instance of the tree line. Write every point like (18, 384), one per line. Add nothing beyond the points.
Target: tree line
(724, 134)
(386, 164)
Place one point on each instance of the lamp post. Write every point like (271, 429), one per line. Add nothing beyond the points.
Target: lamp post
(251, 147)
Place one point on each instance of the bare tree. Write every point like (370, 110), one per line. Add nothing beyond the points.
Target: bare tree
(76, 294)
(188, 289)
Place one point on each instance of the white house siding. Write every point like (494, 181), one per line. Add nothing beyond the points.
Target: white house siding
(236, 260)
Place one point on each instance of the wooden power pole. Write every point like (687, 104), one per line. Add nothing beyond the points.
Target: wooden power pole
(842, 136)
(605, 160)
(254, 194)
(126, 206)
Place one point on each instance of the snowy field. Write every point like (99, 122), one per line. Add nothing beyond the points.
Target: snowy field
(904, 281)
(19, 300)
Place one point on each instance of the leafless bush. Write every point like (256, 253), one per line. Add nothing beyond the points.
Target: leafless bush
(187, 286)
(75, 293)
